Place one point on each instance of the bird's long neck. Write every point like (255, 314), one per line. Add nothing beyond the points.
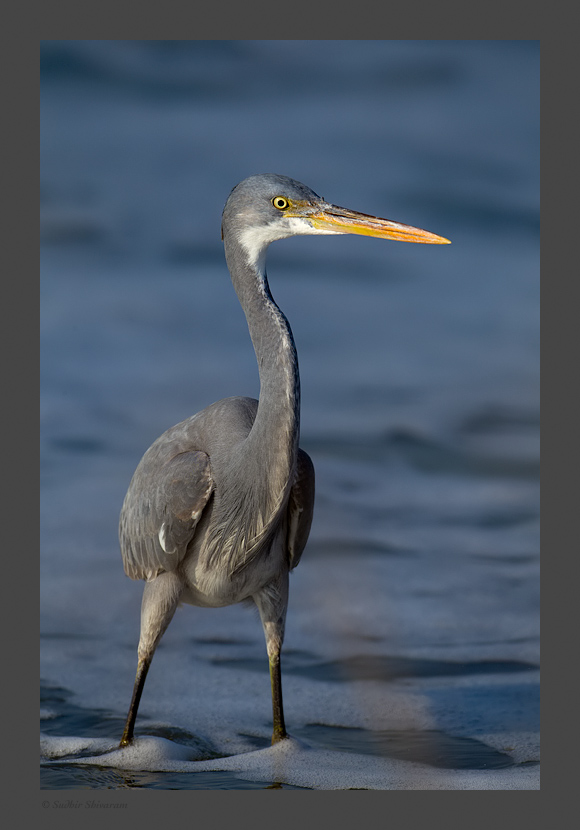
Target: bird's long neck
(272, 444)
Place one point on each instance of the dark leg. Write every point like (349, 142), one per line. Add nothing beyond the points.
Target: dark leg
(272, 602)
(279, 732)
(160, 599)
(142, 669)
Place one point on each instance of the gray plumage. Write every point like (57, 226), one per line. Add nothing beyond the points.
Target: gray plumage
(220, 507)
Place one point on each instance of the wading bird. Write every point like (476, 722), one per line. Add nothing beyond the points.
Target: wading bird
(220, 506)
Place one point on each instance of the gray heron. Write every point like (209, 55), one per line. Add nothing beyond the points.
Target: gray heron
(220, 506)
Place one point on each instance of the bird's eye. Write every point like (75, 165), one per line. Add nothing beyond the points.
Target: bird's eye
(280, 202)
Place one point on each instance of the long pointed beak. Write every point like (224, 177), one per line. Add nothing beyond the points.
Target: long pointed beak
(342, 220)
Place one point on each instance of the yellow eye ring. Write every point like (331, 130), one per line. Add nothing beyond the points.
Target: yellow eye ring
(280, 202)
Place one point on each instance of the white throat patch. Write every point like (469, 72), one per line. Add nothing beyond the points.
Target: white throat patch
(255, 240)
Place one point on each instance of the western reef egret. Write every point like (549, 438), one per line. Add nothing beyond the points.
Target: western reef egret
(220, 506)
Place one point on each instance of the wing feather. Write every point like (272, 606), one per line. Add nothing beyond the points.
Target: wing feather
(300, 508)
(163, 505)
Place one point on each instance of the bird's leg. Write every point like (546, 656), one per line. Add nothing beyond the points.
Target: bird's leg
(272, 602)
(279, 732)
(142, 669)
(160, 599)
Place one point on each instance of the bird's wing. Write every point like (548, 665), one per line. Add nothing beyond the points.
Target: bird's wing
(162, 508)
(300, 508)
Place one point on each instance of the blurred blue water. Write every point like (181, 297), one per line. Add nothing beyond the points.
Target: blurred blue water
(419, 364)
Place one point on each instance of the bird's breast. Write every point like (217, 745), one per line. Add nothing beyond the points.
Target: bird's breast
(214, 585)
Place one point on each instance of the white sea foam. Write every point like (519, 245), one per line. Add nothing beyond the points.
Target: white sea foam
(292, 762)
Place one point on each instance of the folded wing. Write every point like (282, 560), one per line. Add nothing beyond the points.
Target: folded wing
(163, 506)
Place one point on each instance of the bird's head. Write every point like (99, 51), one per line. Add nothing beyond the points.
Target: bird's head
(267, 207)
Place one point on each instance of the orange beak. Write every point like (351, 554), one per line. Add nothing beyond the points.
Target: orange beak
(343, 220)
